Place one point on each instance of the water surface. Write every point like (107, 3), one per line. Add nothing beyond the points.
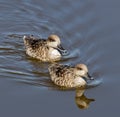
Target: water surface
(88, 29)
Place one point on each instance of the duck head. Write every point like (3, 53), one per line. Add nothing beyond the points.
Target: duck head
(54, 42)
(82, 71)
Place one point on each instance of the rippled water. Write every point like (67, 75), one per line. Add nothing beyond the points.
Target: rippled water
(88, 29)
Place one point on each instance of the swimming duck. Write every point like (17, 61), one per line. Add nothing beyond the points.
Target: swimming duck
(68, 76)
(46, 50)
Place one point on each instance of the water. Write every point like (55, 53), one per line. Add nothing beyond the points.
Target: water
(88, 29)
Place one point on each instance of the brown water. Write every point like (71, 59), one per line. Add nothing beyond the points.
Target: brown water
(90, 30)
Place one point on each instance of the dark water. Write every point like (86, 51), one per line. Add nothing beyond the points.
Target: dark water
(89, 29)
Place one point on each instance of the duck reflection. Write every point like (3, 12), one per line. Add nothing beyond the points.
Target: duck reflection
(81, 100)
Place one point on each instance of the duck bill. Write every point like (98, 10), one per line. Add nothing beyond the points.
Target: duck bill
(88, 76)
(62, 50)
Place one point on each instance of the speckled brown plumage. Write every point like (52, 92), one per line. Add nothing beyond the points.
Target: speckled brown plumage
(42, 49)
(35, 43)
(36, 48)
(66, 76)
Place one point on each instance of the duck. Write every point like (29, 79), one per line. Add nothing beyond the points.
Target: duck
(69, 76)
(46, 50)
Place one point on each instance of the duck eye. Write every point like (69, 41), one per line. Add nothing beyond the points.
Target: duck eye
(51, 40)
(79, 68)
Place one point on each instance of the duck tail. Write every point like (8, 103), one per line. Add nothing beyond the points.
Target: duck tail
(52, 66)
(26, 40)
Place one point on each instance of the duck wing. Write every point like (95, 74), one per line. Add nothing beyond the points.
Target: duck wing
(60, 70)
(34, 42)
